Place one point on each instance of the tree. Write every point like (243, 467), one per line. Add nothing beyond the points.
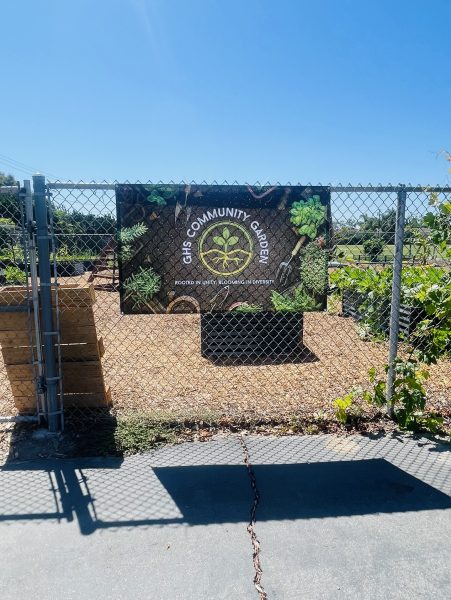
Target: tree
(384, 223)
(9, 206)
(7, 179)
(374, 247)
(79, 232)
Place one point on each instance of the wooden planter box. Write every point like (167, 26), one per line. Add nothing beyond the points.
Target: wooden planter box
(81, 349)
(259, 334)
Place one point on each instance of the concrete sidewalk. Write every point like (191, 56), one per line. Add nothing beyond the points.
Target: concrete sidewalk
(352, 517)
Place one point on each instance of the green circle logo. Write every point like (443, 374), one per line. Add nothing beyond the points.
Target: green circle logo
(225, 248)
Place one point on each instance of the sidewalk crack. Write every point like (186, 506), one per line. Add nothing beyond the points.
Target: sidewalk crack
(251, 526)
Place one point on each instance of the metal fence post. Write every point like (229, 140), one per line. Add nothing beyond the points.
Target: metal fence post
(48, 332)
(396, 294)
(29, 223)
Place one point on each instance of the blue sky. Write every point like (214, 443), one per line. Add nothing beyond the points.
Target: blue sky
(247, 90)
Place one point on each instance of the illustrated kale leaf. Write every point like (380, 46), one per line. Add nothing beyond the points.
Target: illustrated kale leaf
(308, 216)
(160, 194)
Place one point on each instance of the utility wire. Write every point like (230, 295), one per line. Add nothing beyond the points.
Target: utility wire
(17, 165)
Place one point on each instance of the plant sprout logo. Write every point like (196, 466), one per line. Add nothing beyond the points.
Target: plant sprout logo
(225, 248)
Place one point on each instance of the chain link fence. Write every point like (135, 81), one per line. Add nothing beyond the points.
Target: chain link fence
(153, 363)
(17, 340)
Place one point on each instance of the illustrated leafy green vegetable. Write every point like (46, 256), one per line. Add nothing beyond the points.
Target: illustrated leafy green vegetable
(300, 300)
(156, 199)
(160, 194)
(308, 216)
(247, 307)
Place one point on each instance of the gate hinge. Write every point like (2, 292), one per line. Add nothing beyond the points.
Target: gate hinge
(31, 227)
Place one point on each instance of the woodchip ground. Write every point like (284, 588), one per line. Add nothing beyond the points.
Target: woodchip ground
(153, 364)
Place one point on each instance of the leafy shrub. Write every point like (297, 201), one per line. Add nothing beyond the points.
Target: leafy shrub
(14, 275)
(10, 206)
(142, 286)
(432, 335)
(308, 216)
(81, 232)
(14, 253)
(347, 410)
(373, 247)
(63, 252)
(409, 396)
(375, 287)
(435, 236)
(358, 279)
(300, 300)
(425, 288)
(10, 239)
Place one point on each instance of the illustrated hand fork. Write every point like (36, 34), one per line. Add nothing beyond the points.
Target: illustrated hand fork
(285, 268)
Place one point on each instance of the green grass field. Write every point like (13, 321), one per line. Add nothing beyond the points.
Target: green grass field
(353, 251)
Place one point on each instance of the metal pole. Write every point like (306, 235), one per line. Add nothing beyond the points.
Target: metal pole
(48, 332)
(30, 225)
(396, 294)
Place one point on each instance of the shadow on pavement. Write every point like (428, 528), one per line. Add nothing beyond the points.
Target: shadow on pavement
(112, 492)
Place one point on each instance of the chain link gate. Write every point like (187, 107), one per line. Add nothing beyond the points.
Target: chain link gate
(152, 363)
(29, 312)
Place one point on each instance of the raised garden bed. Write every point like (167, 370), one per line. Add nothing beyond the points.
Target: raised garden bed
(259, 334)
(409, 317)
(81, 349)
(64, 268)
(352, 303)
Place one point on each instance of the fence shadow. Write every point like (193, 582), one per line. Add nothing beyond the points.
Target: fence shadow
(113, 493)
(303, 355)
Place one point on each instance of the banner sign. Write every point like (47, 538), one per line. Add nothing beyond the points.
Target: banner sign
(203, 248)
